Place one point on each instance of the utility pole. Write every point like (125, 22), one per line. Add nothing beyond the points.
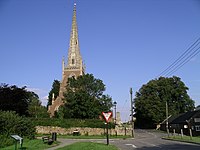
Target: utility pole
(115, 105)
(167, 123)
(131, 93)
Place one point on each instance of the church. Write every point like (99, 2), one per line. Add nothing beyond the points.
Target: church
(73, 68)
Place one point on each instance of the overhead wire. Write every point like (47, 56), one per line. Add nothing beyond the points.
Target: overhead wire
(182, 60)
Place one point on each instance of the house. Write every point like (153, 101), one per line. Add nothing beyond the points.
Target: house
(185, 121)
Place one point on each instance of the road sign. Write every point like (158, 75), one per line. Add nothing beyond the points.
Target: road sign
(107, 115)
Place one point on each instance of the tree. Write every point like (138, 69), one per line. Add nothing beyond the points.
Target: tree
(35, 108)
(84, 97)
(13, 98)
(55, 89)
(151, 99)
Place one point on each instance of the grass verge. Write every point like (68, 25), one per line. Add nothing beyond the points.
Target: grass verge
(36, 144)
(184, 139)
(88, 146)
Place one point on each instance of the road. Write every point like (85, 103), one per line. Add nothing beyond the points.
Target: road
(151, 140)
(144, 139)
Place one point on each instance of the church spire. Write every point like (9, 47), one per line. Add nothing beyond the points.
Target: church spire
(74, 56)
(74, 68)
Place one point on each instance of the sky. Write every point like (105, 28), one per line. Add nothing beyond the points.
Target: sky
(125, 43)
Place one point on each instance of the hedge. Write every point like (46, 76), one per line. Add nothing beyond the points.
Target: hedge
(68, 123)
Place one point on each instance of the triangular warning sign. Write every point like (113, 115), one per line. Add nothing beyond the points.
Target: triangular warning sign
(107, 115)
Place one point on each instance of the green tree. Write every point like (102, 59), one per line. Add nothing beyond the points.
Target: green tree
(84, 97)
(150, 100)
(55, 89)
(13, 98)
(36, 110)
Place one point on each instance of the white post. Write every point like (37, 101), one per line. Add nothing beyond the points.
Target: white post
(181, 133)
(190, 134)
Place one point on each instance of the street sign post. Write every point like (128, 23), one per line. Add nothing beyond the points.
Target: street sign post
(107, 116)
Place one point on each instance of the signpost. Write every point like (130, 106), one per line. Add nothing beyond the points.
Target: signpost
(17, 138)
(107, 116)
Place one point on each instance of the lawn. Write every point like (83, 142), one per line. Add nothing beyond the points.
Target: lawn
(88, 146)
(36, 144)
(185, 139)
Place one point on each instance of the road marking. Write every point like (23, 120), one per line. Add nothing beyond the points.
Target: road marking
(131, 145)
(150, 144)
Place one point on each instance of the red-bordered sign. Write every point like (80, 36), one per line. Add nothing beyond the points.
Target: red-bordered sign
(107, 115)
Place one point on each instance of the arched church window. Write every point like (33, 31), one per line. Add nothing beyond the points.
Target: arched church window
(72, 75)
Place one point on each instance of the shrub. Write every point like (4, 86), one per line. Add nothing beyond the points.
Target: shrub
(5, 141)
(12, 123)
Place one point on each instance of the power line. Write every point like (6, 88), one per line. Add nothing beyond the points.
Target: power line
(183, 59)
(184, 62)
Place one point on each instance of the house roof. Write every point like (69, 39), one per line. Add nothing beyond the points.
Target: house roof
(183, 118)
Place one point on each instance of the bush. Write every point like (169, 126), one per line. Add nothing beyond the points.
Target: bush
(12, 123)
(5, 141)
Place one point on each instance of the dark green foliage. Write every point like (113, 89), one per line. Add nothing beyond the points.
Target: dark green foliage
(150, 101)
(55, 89)
(12, 123)
(13, 98)
(68, 123)
(35, 109)
(84, 98)
(5, 141)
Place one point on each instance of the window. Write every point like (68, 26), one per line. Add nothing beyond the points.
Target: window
(72, 61)
(197, 128)
(196, 119)
(72, 75)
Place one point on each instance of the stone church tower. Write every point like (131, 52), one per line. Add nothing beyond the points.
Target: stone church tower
(74, 67)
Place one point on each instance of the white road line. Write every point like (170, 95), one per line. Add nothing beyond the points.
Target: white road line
(131, 145)
(134, 146)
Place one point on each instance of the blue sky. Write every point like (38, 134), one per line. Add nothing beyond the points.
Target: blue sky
(125, 43)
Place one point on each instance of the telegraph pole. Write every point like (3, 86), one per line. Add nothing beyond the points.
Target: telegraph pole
(167, 123)
(131, 93)
(115, 105)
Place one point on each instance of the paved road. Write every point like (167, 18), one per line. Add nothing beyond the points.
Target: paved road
(151, 140)
(144, 139)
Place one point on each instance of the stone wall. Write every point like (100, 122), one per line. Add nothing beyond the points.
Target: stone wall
(82, 131)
